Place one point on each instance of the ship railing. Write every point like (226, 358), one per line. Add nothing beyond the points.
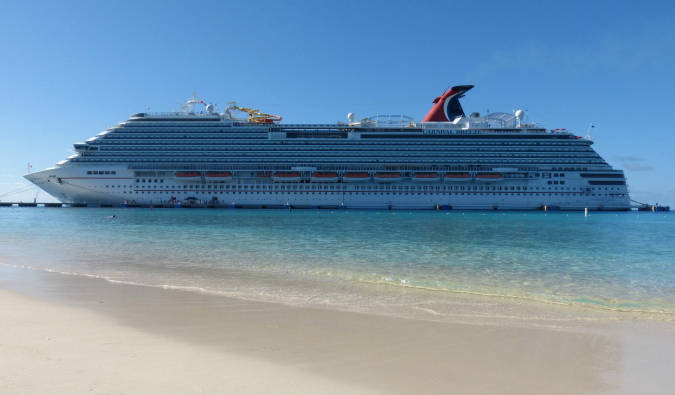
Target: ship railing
(385, 121)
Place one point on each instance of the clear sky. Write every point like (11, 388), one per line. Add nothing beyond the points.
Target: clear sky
(69, 69)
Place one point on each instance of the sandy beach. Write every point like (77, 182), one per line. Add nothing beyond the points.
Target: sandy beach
(66, 334)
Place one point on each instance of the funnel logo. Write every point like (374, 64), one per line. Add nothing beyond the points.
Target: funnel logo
(447, 107)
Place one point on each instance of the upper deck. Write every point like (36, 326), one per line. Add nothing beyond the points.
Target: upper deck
(257, 139)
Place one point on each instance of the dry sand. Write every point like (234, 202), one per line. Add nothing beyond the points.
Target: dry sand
(65, 334)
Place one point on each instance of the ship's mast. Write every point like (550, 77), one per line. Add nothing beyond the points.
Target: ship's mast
(189, 107)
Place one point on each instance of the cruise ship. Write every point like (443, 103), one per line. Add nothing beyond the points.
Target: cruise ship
(242, 157)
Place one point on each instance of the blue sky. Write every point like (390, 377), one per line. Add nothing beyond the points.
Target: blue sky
(70, 69)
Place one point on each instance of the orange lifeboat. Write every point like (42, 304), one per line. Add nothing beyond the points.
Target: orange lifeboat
(387, 177)
(287, 177)
(457, 177)
(489, 177)
(325, 177)
(426, 177)
(219, 176)
(356, 177)
(188, 176)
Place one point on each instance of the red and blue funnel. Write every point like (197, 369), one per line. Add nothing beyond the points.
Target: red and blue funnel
(446, 107)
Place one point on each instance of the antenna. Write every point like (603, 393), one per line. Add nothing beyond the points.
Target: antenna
(519, 116)
(588, 133)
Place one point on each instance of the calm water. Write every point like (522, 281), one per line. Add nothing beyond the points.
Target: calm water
(623, 261)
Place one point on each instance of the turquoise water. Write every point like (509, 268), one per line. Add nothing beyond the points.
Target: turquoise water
(621, 261)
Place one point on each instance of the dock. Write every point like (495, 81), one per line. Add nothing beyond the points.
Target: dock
(22, 204)
(168, 205)
(655, 208)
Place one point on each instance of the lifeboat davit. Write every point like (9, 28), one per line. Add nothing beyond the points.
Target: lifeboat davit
(287, 177)
(491, 177)
(387, 177)
(219, 176)
(325, 177)
(188, 176)
(426, 177)
(267, 174)
(457, 177)
(356, 177)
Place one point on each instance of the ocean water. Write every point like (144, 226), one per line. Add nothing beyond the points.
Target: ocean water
(374, 261)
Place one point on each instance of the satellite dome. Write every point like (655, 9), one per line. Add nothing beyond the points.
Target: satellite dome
(520, 114)
(210, 108)
(351, 117)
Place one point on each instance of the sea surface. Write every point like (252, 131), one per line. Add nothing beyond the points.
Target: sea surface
(376, 261)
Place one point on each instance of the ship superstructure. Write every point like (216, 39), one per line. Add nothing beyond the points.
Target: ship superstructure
(245, 158)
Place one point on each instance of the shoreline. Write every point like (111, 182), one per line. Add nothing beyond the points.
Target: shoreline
(411, 302)
(250, 257)
(100, 331)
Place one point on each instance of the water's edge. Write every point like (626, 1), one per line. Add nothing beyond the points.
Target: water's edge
(442, 266)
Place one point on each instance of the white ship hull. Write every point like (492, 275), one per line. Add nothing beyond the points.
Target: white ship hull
(124, 187)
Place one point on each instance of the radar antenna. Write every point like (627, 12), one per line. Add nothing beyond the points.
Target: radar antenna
(519, 116)
(189, 107)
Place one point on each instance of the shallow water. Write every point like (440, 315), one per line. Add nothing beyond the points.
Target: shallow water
(354, 259)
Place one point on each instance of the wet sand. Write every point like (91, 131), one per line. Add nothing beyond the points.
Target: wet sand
(71, 334)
